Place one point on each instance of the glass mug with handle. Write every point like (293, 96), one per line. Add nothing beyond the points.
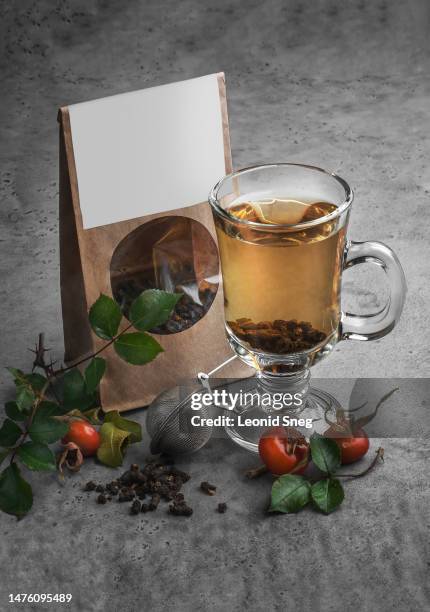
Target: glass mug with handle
(282, 237)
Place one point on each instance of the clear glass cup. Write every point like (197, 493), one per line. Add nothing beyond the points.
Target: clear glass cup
(282, 238)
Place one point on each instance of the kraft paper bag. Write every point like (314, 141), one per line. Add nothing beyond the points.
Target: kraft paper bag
(135, 171)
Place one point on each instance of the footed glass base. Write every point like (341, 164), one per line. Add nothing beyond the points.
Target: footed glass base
(249, 422)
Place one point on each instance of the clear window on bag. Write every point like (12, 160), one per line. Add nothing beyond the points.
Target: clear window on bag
(173, 253)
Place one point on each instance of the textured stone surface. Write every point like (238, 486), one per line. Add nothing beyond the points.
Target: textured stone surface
(338, 84)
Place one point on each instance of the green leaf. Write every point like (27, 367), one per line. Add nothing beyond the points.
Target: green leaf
(75, 394)
(37, 456)
(327, 494)
(9, 433)
(47, 409)
(25, 398)
(113, 444)
(137, 348)
(34, 380)
(133, 428)
(13, 412)
(4, 452)
(16, 496)
(16, 373)
(73, 387)
(325, 453)
(105, 317)
(289, 494)
(94, 373)
(44, 428)
(152, 308)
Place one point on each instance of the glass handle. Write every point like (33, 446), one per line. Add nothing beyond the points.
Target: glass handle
(374, 326)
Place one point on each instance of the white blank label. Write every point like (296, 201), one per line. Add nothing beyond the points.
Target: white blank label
(147, 151)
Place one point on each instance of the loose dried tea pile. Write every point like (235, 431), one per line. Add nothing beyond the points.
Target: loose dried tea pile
(145, 488)
(186, 312)
(279, 336)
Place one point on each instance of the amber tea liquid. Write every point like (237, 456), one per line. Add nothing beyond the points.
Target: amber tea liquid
(281, 285)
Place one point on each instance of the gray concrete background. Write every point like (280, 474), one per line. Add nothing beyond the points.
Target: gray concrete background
(339, 84)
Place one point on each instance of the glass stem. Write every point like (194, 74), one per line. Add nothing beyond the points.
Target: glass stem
(289, 390)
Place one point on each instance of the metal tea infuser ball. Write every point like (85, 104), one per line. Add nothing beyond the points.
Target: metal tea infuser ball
(168, 418)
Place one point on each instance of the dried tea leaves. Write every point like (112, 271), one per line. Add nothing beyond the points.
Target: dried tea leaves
(279, 336)
(208, 488)
(145, 488)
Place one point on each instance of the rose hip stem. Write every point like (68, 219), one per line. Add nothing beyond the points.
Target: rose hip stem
(378, 455)
(262, 469)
